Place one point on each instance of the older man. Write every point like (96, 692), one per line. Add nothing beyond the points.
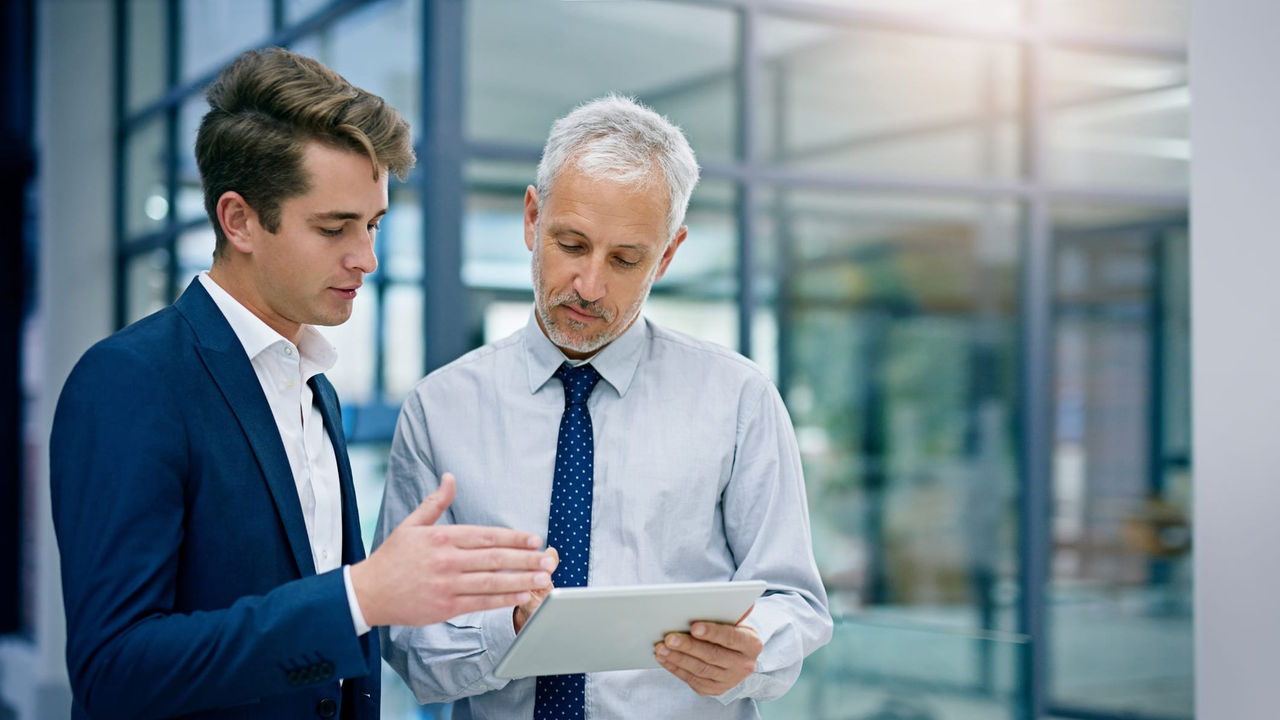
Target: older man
(644, 455)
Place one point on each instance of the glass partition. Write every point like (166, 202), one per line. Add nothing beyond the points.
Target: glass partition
(879, 669)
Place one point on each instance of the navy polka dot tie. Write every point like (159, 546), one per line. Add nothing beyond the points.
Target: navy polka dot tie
(563, 697)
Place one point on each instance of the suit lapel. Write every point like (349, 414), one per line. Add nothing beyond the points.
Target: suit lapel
(225, 359)
(352, 544)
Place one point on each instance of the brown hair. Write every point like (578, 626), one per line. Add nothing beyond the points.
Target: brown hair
(264, 109)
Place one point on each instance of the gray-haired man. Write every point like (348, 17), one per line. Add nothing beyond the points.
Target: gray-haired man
(644, 455)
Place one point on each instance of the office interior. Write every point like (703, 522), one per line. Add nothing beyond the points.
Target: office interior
(954, 232)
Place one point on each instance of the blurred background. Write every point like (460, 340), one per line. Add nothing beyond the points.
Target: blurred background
(953, 231)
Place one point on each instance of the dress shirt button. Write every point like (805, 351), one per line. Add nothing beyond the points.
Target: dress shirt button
(288, 351)
(324, 554)
(327, 708)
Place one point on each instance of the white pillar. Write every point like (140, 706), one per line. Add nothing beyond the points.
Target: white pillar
(1235, 298)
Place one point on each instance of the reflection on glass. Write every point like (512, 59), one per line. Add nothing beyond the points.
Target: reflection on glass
(213, 33)
(146, 197)
(1120, 622)
(896, 329)
(1147, 19)
(677, 58)
(146, 284)
(876, 668)
(1118, 121)
(886, 103)
(148, 47)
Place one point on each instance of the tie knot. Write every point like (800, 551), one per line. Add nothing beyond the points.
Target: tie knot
(578, 382)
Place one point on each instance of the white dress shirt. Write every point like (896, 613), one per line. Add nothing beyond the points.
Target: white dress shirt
(283, 370)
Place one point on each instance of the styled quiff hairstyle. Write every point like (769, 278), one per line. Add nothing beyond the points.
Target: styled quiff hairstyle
(616, 138)
(264, 108)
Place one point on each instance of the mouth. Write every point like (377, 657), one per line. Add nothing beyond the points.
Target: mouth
(579, 315)
(348, 292)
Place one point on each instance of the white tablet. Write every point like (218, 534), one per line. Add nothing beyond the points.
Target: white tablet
(593, 629)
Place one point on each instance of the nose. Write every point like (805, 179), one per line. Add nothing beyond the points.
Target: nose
(589, 282)
(362, 257)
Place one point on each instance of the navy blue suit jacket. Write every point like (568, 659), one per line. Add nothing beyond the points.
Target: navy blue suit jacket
(186, 568)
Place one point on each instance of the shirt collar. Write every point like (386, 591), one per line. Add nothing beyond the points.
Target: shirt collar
(315, 353)
(616, 362)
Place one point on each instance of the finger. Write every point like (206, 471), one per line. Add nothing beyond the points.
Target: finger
(741, 638)
(692, 667)
(503, 559)
(699, 685)
(476, 603)
(498, 583)
(707, 653)
(431, 508)
(480, 536)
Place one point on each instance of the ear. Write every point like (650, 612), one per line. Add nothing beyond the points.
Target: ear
(530, 216)
(670, 252)
(239, 221)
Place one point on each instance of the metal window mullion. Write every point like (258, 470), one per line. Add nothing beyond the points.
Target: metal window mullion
(1036, 378)
(120, 157)
(173, 58)
(440, 183)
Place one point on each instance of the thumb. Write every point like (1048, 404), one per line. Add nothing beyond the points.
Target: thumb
(435, 504)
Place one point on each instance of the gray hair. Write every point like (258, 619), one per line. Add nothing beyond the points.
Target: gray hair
(617, 138)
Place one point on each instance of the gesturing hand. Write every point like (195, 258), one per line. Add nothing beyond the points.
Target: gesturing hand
(425, 573)
(712, 658)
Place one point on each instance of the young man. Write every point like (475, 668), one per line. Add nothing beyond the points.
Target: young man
(212, 563)
(645, 456)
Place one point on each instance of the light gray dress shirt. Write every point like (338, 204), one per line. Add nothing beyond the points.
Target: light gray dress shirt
(697, 478)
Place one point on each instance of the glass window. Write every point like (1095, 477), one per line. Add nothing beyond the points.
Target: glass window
(195, 253)
(146, 195)
(147, 275)
(190, 205)
(896, 328)
(393, 27)
(356, 341)
(964, 13)
(148, 51)
(493, 250)
(886, 103)
(1118, 121)
(295, 10)
(213, 33)
(1120, 621)
(402, 360)
(529, 63)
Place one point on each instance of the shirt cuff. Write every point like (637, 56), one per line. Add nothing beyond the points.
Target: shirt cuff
(357, 617)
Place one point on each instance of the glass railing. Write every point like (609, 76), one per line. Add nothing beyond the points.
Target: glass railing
(875, 669)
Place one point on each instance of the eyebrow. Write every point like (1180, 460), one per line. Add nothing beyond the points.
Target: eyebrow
(341, 215)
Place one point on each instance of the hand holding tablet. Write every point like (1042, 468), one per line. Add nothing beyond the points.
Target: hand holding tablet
(594, 629)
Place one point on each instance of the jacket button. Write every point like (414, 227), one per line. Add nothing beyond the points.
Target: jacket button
(326, 708)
